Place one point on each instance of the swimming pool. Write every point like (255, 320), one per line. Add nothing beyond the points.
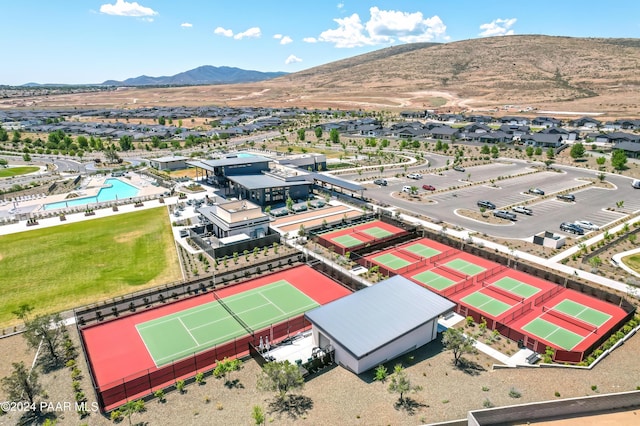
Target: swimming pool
(114, 189)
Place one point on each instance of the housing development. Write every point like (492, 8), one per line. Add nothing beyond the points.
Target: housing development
(215, 250)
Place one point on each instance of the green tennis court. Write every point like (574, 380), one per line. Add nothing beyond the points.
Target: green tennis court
(582, 312)
(183, 333)
(433, 280)
(376, 232)
(559, 336)
(465, 267)
(391, 261)
(488, 304)
(516, 287)
(421, 250)
(347, 241)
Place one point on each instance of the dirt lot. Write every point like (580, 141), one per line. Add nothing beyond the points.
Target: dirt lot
(336, 396)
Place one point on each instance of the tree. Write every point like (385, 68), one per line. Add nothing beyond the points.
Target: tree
(301, 134)
(3, 162)
(111, 155)
(400, 383)
(281, 377)
(132, 407)
(485, 150)
(289, 203)
(48, 330)
(22, 385)
(495, 152)
(4, 136)
(619, 159)
(227, 366)
(26, 156)
(529, 151)
(334, 136)
(577, 151)
(600, 161)
(551, 153)
(318, 132)
(455, 341)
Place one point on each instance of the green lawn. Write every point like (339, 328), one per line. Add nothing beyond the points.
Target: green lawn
(632, 261)
(15, 171)
(69, 265)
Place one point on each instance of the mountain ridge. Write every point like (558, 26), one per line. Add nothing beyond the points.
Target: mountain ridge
(202, 75)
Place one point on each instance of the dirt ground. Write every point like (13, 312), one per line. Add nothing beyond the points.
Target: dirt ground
(336, 396)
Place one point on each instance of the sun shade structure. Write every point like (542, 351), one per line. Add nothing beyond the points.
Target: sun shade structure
(379, 323)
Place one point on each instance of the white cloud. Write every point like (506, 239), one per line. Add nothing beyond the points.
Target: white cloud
(250, 33)
(385, 27)
(340, 5)
(498, 27)
(277, 36)
(310, 40)
(286, 40)
(123, 8)
(292, 59)
(186, 25)
(223, 32)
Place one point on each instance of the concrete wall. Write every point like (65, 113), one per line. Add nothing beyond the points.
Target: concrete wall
(573, 407)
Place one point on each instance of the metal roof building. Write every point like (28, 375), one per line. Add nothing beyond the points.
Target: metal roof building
(379, 323)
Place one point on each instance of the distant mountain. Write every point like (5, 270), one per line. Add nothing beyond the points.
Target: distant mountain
(206, 74)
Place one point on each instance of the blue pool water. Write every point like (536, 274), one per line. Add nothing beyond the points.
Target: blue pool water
(115, 189)
(244, 155)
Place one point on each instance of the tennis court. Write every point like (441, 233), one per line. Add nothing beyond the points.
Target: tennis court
(347, 241)
(486, 304)
(554, 334)
(465, 267)
(516, 287)
(391, 261)
(421, 250)
(193, 330)
(376, 232)
(433, 280)
(582, 312)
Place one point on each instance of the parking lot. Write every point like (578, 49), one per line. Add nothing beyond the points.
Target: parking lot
(506, 185)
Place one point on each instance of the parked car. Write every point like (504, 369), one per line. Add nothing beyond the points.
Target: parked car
(381, 182)
(636, 183)
(428, 187)
(486, 204)
(566, 197)
(523, 210)
(458, 168)
(536, 191)
(414, 176)
(406, 189)
(504, 214)
(571, 227)
(584, 224)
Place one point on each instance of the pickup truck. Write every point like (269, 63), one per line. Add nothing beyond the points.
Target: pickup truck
(523, 210)
(503, 214)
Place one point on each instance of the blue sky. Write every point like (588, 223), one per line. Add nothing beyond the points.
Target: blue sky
(90, 41)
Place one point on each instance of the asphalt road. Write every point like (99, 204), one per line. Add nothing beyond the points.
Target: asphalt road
(506, 184)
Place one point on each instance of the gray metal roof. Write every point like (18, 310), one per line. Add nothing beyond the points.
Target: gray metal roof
(264, 181)
(232, 161)
(332, 180)
(375, 316)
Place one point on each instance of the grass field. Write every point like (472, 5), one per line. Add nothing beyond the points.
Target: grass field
(632, 261)
(16, 171)
(61, 267)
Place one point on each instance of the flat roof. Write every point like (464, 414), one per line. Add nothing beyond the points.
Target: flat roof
(234, 239)
(332, 180)
(232, 161)
(368, 319)
(263, 181)
(169, 158)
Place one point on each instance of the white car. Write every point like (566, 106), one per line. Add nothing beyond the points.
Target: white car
(414, 176)
(587, 225)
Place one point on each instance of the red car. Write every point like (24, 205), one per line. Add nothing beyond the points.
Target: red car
(428, 187)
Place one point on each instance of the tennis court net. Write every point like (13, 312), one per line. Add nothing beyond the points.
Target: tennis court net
(233, 314)
(570, 319)
(502, 291)
(451, 271)
(410, 254)
(364, 235)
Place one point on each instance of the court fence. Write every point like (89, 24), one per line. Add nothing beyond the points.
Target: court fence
(143, 383)
(159, 296)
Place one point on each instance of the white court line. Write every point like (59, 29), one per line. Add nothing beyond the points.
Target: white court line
(271, 303)
(189, 331)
